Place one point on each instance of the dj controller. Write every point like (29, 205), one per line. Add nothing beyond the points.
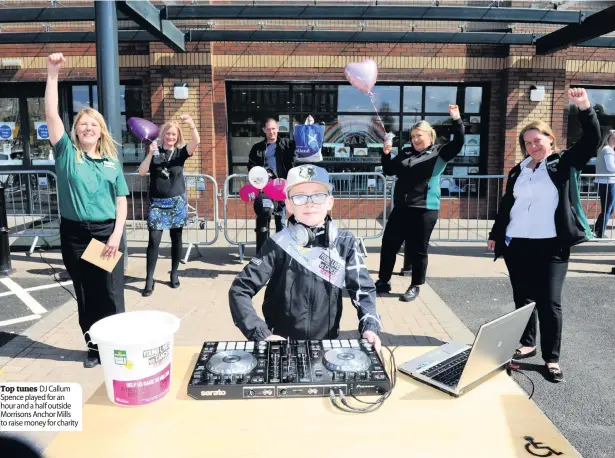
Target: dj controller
(295, 368)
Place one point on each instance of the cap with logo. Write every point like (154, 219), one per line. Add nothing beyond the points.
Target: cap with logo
(307, 174)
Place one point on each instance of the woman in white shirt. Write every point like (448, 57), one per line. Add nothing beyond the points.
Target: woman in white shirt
(605, 164)
(539, 219)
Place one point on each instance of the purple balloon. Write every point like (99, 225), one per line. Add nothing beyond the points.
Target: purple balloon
(144, 130)
(362, 75)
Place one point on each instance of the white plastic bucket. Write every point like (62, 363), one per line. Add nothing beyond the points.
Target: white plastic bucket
(136, 349)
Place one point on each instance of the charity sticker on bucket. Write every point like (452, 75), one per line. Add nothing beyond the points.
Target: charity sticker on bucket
(136, 349)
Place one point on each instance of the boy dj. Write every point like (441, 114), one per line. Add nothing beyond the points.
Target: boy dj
(306, 265)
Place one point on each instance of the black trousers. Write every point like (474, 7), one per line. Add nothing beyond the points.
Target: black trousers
(263, 220)
(99, 293)
(537, 269)
(414, 226)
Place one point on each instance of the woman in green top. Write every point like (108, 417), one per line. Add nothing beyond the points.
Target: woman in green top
(92, 198)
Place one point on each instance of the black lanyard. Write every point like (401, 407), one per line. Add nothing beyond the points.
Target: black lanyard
(167, 158)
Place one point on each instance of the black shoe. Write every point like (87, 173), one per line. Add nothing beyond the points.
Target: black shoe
(518, 355)
(148, 291)
(555, 375)
(382, 286)
(174, 281)
(411, 293)
(91, 360)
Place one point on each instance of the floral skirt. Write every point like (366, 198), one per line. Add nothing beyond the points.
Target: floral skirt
(167, 213)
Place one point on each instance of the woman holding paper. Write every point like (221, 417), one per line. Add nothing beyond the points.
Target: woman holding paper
(92, 197)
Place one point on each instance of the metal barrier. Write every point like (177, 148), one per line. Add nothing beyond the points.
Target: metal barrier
(203, 223)
(31, 204)
(596, 201)
(469, 204)
(360, 206)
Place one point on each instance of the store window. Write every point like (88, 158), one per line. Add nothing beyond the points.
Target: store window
(603, 101)
(353, 132)
(131, 105)
(11, 144)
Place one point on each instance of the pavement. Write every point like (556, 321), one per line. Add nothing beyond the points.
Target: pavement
(583, 408)
(51, 348)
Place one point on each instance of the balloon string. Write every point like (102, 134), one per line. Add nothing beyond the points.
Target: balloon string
(371, 97)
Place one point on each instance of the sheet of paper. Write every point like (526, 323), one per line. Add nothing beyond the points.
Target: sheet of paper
(93, 254)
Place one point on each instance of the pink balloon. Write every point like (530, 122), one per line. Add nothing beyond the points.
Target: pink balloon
(248, 193)
(362, 75)
(275, 189)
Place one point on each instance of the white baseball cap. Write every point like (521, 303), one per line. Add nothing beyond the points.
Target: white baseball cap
(307, 174)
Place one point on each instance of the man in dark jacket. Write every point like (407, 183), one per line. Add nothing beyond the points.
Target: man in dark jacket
(277, 156)
(305, 267)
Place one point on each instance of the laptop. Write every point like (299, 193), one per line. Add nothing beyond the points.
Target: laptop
(455, 367)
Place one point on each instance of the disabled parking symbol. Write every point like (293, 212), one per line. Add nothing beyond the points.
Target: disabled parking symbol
(532, 447)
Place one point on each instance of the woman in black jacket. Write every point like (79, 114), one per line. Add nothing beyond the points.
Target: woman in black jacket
(539, 219)
(417, 200)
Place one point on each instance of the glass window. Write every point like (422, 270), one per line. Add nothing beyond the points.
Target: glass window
(302, 98)
(438, 98)
(244, 131)
(40, 149)
(95, 96)
(268, 99)
(473, 99)
(81, 98)
(603, 101)
(131, 105)
(386, 98)
(413, 99)
(353, 134)
(11, 143)
(325, 96)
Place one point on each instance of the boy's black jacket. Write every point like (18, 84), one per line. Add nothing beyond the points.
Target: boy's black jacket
(300, 302)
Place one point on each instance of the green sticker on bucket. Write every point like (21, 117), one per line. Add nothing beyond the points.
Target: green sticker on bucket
(120, 357)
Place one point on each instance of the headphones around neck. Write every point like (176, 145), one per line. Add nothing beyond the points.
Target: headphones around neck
(304, 235)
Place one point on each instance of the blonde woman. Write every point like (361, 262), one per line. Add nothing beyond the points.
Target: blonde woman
(92, 198)
(168, 208)
(539, 219)
(417, 200)
(605, 165)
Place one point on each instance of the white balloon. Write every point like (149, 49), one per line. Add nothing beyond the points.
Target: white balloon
(258, 177)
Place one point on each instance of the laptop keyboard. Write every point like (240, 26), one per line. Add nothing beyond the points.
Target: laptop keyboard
(448, 372)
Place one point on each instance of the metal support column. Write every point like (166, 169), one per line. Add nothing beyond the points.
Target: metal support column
(108, 75)
(5, 251)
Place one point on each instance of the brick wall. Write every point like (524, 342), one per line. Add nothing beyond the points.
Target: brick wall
(206, 67)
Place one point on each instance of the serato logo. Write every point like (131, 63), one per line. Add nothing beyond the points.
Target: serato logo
(213, 393)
